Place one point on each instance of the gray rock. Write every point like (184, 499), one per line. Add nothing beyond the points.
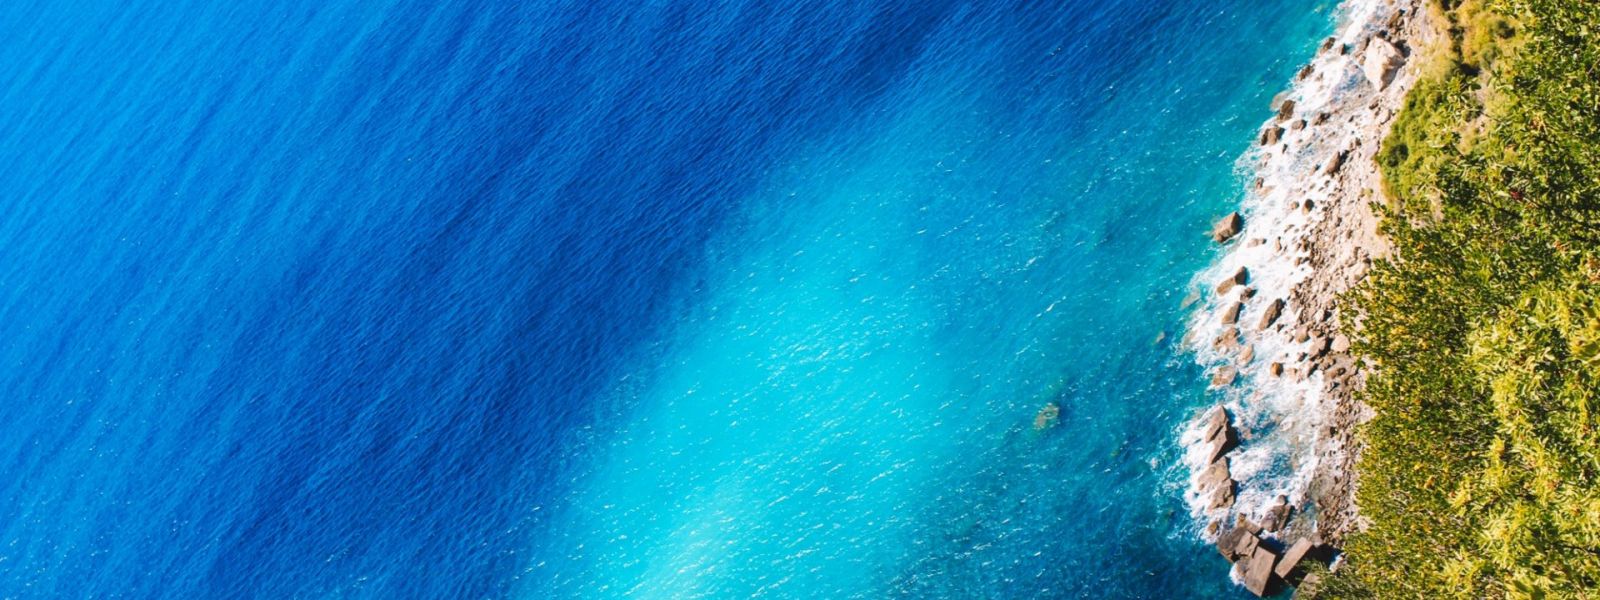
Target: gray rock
(1228, 227)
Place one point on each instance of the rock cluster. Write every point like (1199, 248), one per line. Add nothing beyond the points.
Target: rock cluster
(1318, 182)
(1216, 481)
(1262, 567)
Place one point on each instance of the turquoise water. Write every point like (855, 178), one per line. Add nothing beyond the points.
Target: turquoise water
(388, 298)
(842, 405)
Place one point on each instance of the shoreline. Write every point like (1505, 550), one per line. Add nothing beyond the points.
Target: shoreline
(1278, 465)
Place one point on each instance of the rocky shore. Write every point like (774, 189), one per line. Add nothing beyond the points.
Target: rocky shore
(1272, 465)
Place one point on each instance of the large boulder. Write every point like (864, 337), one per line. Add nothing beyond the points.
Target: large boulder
(1285, 110)
(1228, 543)
(1215, 475)
(1381, 62)
(1231, 316)
(1219, 435)
(1271, 314)
(1228, 227)
(1222, 497)
(1277, 516)
(1271, 135)
(1257, 571)
(1335, 163)
(1291, 558)
(1341, 344)
(1238, 278)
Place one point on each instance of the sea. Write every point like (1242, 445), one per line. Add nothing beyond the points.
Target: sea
(651, 299)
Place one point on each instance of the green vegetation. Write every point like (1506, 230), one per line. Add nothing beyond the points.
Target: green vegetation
(1482, 473)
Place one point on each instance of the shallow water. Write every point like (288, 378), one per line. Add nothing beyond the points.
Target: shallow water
(386, 299)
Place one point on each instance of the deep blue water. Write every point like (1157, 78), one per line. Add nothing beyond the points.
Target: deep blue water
(361, 298)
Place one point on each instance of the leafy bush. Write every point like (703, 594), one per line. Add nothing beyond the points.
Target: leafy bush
(1481, 476)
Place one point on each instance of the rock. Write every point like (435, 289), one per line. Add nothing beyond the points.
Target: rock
(1216, 423)
(1276, 369)
(1228, 227)
(1228, 542)
(1047, 417)
(1247, 544)
(1286, 110)
(1227, 339)
(1319, 345)
(1304, 72)
(1215, 475)
(1238, 278)
(1224, 377)
(1222, 497)
(1219, 434)
(1271, 135)
(1334, 163)
(1381, 63)
(1231, 315)
(1341, 344)
(1277, 516)
(1271, 314)
(1258, 571)
(1247, 354)
(1297, 125)
(1247, 293)
(1291, 559)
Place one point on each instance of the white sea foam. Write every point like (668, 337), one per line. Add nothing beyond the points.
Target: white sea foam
(1279, 418)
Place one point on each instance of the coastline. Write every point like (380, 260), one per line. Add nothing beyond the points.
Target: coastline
(1269, 327)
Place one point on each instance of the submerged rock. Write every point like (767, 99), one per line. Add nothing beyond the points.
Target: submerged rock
(1047, 417)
